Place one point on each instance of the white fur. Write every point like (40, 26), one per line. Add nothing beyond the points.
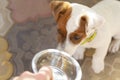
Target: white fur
(104, 18)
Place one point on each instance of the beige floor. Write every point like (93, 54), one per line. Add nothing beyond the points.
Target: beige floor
(111, 71)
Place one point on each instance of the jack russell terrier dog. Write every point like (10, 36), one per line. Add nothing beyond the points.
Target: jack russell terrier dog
(81, 27)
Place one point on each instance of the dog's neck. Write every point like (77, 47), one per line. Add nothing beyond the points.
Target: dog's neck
(89, 39)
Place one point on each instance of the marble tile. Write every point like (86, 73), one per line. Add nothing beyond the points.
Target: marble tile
(116, 64)
(5, 18)
(89, 3)
(6, 67)
(28, 39)
(29, 10)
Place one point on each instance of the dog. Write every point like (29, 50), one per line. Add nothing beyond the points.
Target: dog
(81, 27)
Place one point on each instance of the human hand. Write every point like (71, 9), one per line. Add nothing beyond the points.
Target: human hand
(45, 73)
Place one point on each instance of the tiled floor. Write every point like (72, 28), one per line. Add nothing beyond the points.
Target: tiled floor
(28, 37)
(111, 71)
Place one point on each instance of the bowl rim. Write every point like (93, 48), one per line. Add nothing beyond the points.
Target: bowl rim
(37, 55)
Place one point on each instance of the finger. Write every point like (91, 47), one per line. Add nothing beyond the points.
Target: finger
(44, 74)
(27, 76)
(15, 78)
(27, 73)
(47, 70)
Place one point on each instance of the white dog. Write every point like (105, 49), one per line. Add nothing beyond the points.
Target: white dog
(81, 27)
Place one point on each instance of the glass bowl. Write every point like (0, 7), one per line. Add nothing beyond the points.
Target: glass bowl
(63, 66)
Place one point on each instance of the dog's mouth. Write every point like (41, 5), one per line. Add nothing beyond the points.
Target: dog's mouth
(89, 38)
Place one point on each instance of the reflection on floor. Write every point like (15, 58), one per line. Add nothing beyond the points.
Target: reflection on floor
(6, 68)
(27, 38)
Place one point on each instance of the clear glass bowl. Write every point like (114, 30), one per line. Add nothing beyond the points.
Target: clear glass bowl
(64, 67)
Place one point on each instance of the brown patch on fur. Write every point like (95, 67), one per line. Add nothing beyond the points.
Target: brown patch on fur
(79, 34)
(61, 11)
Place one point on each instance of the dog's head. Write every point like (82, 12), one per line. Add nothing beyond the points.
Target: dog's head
(76, 22)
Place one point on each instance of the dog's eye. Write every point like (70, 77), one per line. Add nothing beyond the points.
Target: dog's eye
(77, 37)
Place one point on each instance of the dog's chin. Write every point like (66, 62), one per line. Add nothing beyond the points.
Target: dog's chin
(60, 47)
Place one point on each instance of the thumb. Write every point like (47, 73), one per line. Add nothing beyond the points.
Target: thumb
(45, 73)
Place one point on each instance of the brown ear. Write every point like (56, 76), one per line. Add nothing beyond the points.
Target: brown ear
(83, 23)
(59, 8)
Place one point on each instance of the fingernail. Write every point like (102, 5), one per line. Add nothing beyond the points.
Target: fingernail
(44, 69)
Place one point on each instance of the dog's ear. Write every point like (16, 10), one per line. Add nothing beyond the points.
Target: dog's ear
(59, 8)
(61, 11)
(94, 21)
